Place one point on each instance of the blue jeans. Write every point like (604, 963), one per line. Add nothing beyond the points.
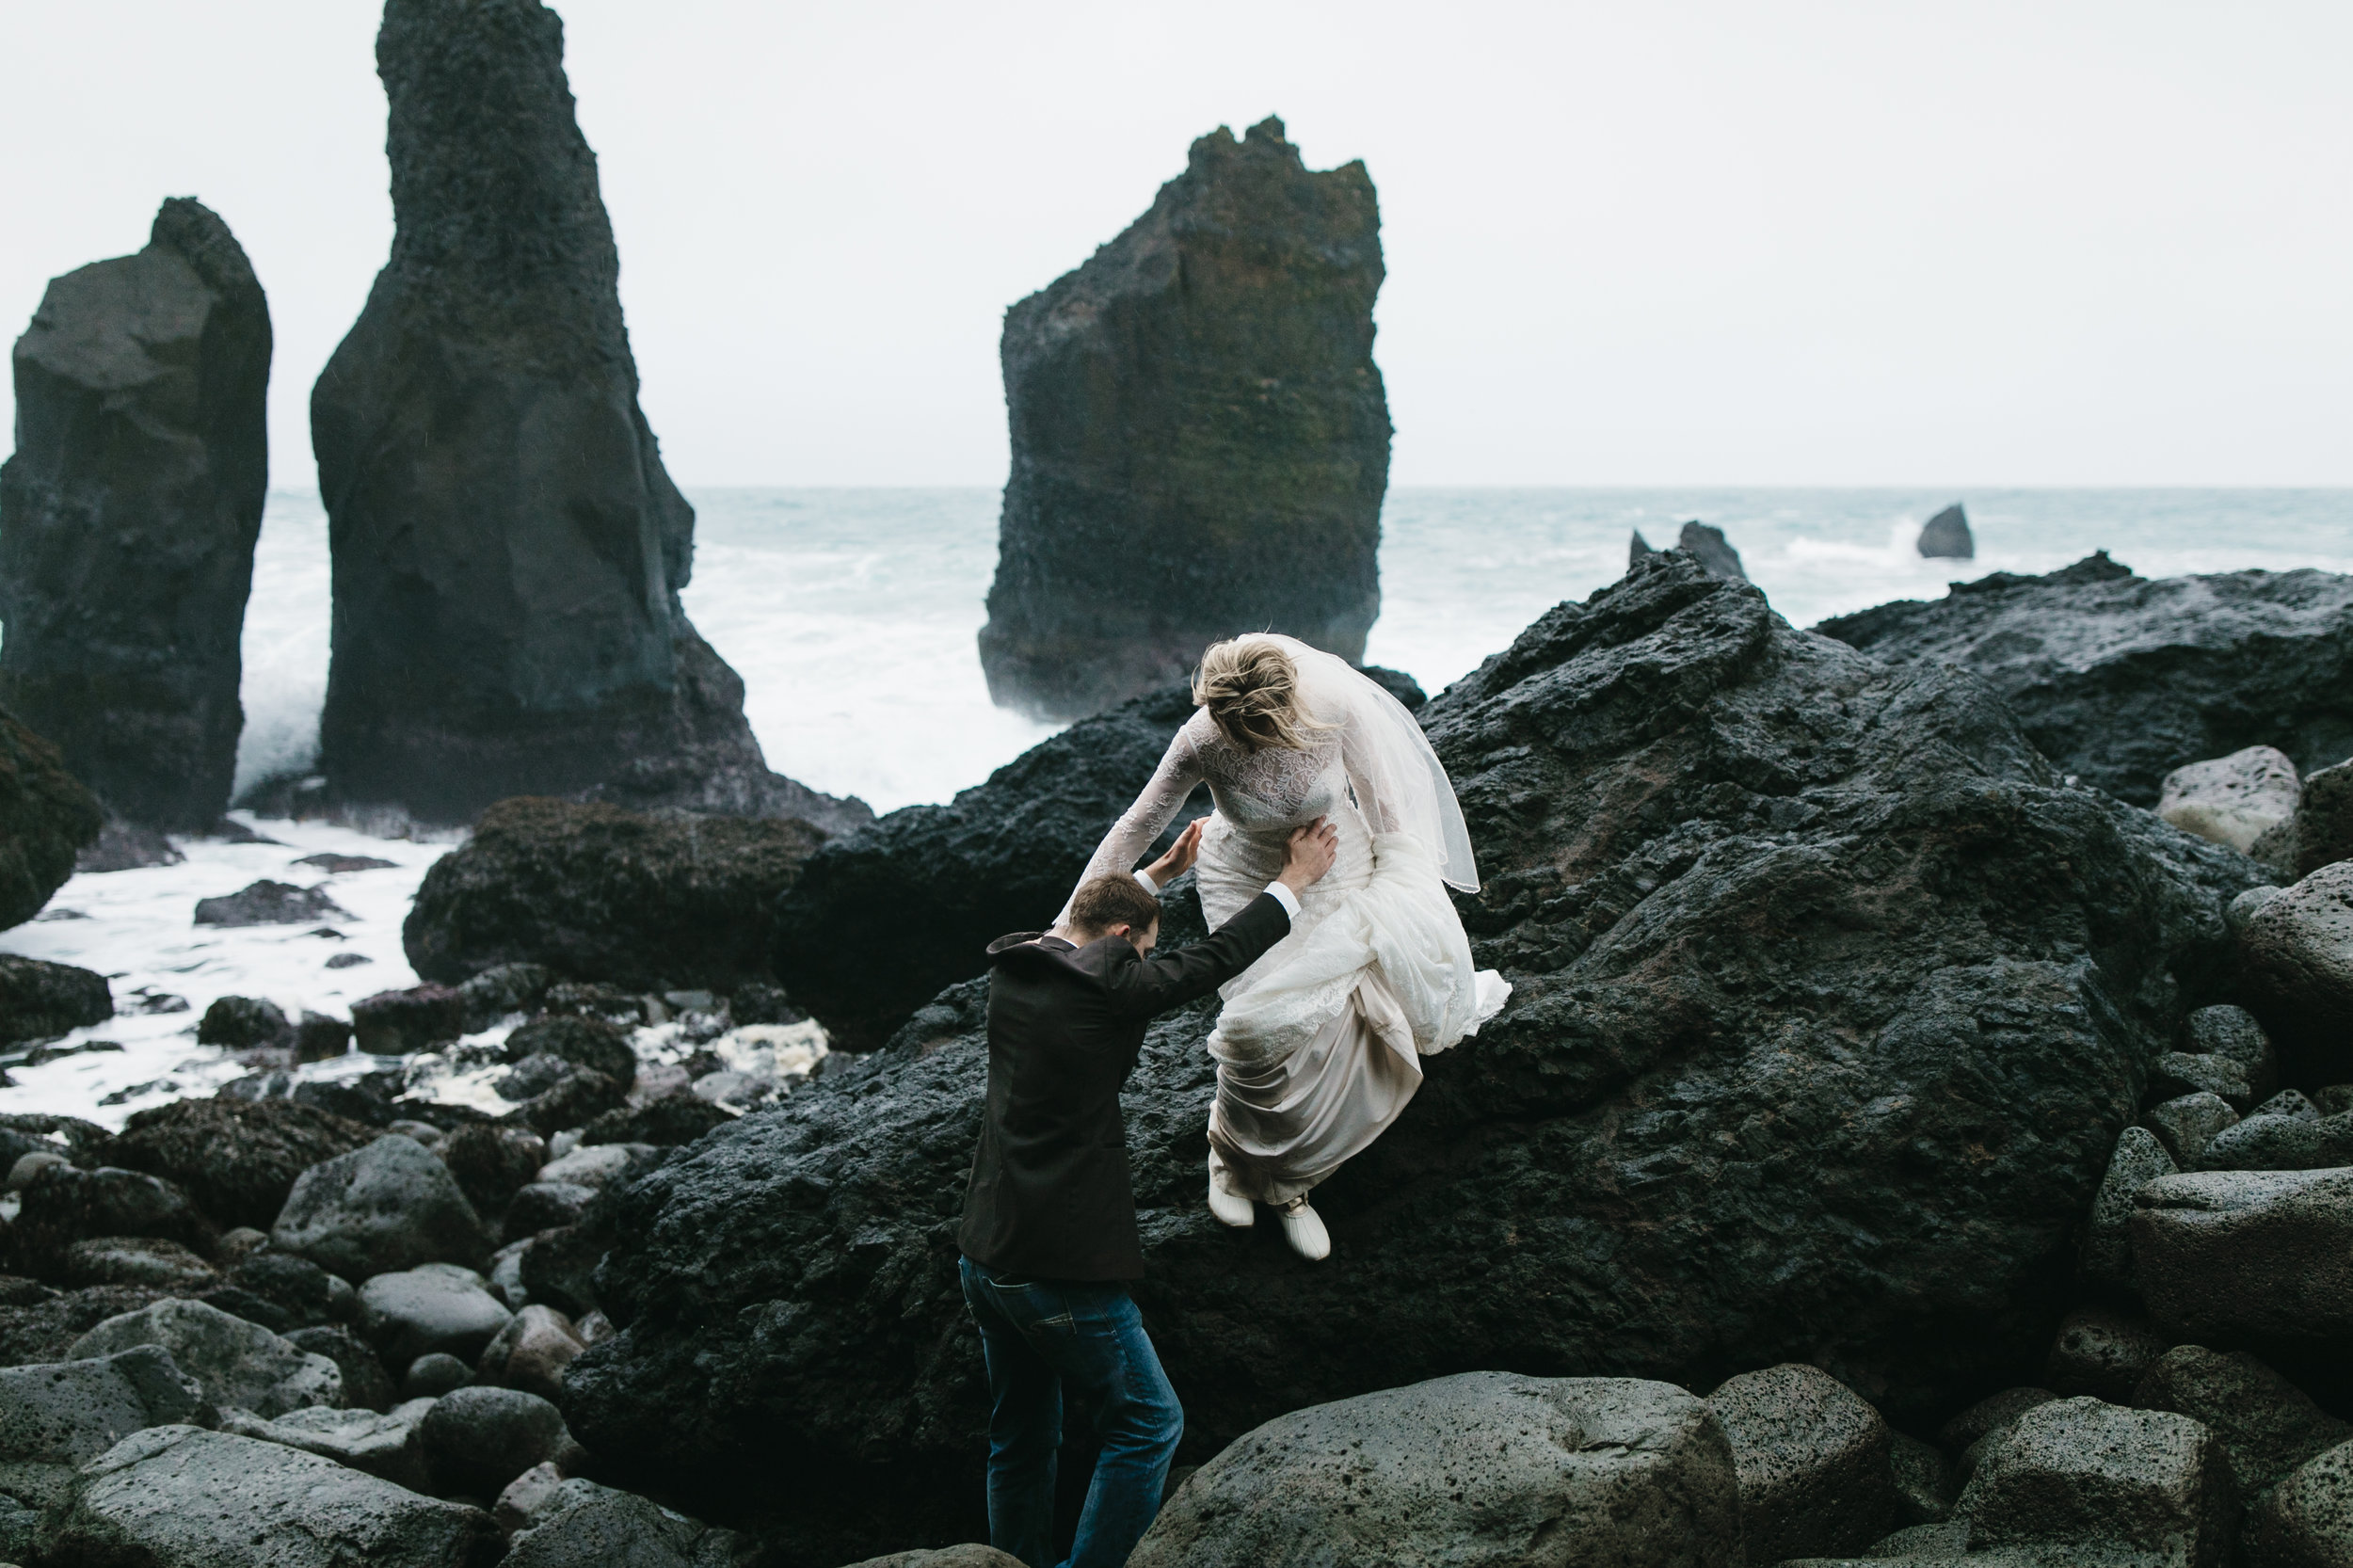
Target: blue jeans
(1039, 1336)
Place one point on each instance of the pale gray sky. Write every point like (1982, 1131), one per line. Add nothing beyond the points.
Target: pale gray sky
(1716, 241)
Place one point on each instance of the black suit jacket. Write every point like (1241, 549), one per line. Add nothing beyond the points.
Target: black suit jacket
(1049, 1196)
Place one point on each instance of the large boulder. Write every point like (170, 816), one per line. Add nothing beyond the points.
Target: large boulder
(39, 999)
(1814, 1463)
(2297, 974)
(129, 513)
(1000, 857)
(507, 549)
(46, 816)
(1830, 1001)
(234, 1362)
(2247, 1257)
(55, 1417)
(2321, 831)
(2120, 678)
(387, 1205)
(2077, 1473)
(1200, 437)
(236, 1159)
(642, 900)
(1485, 1468)
(179, 1497)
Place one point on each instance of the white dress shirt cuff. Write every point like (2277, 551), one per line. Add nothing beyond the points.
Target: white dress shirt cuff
(1284, 896)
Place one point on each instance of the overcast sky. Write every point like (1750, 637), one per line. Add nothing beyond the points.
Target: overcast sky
(1666, 243)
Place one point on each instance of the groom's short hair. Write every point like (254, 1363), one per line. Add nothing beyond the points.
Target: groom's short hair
(1105, 902)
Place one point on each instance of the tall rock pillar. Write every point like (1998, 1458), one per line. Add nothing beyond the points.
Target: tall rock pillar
(1200, 437)
(128, 517)
(507, 549)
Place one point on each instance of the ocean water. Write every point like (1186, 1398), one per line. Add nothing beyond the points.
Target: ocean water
(851, 615)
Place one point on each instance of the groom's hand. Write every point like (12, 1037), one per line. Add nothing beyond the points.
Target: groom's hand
(1308, 853)
(1180, 856)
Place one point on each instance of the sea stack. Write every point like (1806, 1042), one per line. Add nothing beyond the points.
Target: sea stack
(128, 517)
(1946, 537)
(507, 549)
(1200, 437)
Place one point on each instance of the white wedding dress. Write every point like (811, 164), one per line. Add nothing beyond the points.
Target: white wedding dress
(1318, 1046)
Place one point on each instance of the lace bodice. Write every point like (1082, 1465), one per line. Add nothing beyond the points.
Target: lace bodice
(1268, 791)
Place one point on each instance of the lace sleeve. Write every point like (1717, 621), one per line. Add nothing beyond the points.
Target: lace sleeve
(1172, 784)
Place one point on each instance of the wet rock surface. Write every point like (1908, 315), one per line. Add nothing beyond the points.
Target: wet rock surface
(128, 517)
(178, 1495)
(1807, 948)
(1000, 857)
(236, 1160)
(234, 1362)
(46, 816)
(478, 1439)
(1946, 536)
(58, 1416)
(509, 549)
(2120, 678)
(596, 892)
(2251, 1258)
(1483, 1468)
(436, 1309)
(1200, 437)
(268, 903)
(39, 999)
(64, 1204)
(389, 1206)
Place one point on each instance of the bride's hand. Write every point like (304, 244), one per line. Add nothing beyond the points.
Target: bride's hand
(1180, 856)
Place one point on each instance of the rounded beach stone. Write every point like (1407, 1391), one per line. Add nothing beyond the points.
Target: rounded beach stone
(2241, 1256)
(2078, 1472)
(477, 1439)
(389, 1206)
(435, 1307)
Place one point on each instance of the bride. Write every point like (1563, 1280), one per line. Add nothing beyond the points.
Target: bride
(1318, 1046)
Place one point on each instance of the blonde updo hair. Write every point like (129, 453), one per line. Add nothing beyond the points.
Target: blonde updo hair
(1251, 688)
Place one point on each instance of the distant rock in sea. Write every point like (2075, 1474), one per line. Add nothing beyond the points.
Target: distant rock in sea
(1200, 437)
(1708, 545)
(2120, 678)
(1946, 536)
(129, 513)
(507, 549)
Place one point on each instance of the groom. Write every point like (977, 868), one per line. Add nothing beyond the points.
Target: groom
(1050, 1222)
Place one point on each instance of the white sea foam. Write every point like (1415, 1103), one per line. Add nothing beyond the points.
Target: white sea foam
(852, 614)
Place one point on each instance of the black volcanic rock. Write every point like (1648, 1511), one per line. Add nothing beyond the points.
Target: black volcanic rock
(1200, 437)
(1946, 537)
(1702, 541)
(606, 894)
(507, 549)
(129, 513)
(46, 816)
(1830, 1001)
(1001, 857)
(39, 999)
(2120, 679)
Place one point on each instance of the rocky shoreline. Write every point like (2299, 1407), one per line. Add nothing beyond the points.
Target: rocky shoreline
(1904, 1148)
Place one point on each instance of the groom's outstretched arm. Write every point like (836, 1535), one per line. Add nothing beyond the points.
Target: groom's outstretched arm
(1164, 981)
(1161, 982)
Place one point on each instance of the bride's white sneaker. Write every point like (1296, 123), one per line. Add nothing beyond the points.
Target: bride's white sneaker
(1240, 1213)
(1303, 1228)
